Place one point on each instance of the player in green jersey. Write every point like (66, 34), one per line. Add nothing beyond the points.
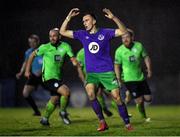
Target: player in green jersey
(53, 54)
(130, 56)
(82, 74)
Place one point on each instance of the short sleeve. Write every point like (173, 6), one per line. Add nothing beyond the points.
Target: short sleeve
(118, 59)
(110, 33)
(69, 50)
(41, 50)
(26, 56)
(78, 34)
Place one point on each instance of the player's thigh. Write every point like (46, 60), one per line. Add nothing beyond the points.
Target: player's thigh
(27, 90)
(128, 95)
(133, 88)
(53, 85)
(63, 90)
(109, 81)
(92, 78)
(144, 87)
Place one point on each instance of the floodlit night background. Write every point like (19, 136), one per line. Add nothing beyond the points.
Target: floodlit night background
(155, 23)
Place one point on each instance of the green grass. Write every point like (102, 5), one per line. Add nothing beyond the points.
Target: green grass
(19, 121)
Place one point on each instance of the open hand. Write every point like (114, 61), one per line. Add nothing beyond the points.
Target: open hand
(73, 12)
(108, 13)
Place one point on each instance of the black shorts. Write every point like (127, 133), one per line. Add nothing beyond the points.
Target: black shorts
(34, 80)
(52, 85)
(138, 88)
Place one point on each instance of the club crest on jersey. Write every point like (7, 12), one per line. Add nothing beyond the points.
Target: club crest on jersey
(87, 37)
(100, 37)
(93, 47)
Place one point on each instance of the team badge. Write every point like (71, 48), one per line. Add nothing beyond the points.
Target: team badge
(87, 37)
(100, 37)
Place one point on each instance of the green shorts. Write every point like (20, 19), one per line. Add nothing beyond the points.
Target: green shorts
(107, 79)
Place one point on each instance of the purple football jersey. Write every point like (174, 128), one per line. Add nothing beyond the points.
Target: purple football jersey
(97, 49)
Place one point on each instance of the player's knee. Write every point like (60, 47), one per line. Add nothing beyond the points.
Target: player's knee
(91, 95)
(64, 91)
(118, 100)
(54, 99)
(148, 99)
(25, 94)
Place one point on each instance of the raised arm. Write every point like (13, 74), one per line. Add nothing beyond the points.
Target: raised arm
(63, 29)
(121, 27)
(29, 63)
(147, 61)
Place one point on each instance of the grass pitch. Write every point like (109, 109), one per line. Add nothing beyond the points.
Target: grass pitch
(19, 121)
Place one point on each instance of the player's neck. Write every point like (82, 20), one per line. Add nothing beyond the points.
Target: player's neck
(130, 45)
(93, 30)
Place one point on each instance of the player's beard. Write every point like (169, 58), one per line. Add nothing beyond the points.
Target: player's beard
(54, 43)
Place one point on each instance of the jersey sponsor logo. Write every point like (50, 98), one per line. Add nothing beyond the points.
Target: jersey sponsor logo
(132, 58)
(100, 37)
(56, 85)
(93, 47)
(57, 58)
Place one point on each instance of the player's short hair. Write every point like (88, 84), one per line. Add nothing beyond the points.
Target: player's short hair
(35, 37)
(131, 32)
(56, 29)
(91, 14)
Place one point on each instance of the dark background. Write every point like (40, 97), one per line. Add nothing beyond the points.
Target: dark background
(155, 22)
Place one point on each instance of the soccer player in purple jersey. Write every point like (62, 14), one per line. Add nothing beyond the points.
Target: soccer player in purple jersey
(99, 65)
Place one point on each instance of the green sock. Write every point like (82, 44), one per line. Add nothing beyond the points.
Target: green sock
(50, 107)
(114, 105)
(141, 110)
(63, 103)
(101, 101)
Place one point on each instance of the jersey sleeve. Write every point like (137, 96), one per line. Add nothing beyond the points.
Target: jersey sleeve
(26, 56)
(110, 33)
(78, 34)
(41, 50)
(118, 59)
(69, 50)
